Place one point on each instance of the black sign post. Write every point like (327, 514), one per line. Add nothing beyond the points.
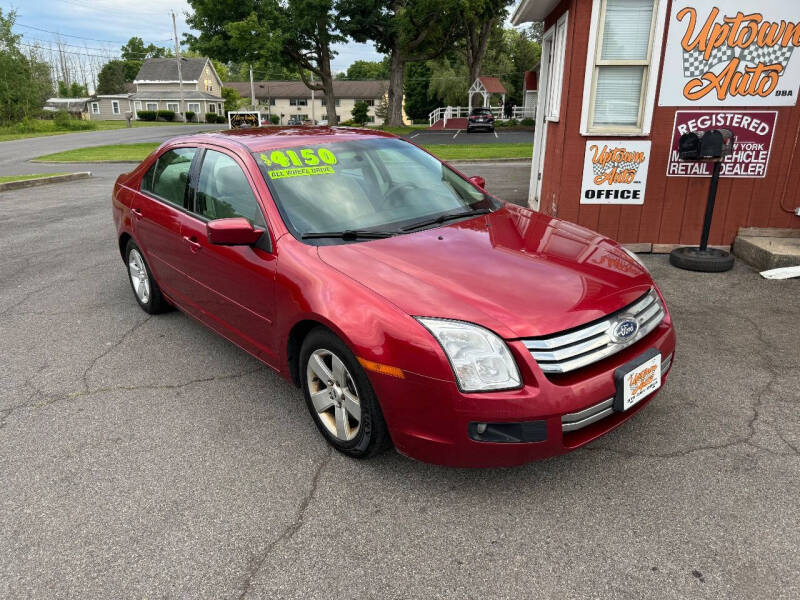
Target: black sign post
(705, 146)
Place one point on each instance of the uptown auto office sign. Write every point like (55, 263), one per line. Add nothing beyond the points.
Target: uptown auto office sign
(732, 53)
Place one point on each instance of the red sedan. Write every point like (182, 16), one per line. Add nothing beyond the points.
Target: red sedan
(412, 307)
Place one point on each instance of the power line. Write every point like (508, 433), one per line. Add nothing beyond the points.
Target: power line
(79, 37)
(142, 55)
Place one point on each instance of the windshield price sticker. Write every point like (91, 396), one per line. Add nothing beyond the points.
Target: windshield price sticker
(300, 172)
(305, 161)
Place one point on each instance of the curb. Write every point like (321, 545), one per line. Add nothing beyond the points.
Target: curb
(27, 183)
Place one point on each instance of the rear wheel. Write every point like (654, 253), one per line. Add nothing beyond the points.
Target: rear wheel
(145, 289)
(340, 398)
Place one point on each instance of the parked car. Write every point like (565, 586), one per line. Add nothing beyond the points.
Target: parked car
(322, 122)
(295, 121)
(480, 118)
(410, 305)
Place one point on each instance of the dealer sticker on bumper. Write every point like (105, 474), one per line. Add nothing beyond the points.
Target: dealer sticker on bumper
(637, 380)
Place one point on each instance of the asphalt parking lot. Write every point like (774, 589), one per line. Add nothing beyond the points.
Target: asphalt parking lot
(147, 457)
(460, 136)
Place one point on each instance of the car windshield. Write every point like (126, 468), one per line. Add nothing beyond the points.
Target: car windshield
(374, 185)
(481, 111)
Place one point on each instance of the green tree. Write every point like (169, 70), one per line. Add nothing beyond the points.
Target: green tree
(24, 81)
(112, 78)
(135, 49)
(232, 98)
(407, 30)
(477, 19)
(367, 69)
(419, 102)
(359, 112)
(294, 33)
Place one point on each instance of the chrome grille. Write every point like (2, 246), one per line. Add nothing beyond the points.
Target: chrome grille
(587, 416)
(566, 352)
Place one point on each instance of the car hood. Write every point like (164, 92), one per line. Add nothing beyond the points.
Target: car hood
(515, 271)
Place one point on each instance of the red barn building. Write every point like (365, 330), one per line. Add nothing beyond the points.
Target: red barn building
(620, 80)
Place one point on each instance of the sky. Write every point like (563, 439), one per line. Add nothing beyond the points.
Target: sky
(108, 24)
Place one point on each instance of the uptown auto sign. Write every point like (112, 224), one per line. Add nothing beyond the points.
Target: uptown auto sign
(615, 172)
(732, 53)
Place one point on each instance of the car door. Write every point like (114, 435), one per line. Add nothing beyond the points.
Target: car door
(233, 285)
(158, 210)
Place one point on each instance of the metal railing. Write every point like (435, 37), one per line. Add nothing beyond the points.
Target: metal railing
(443, 113)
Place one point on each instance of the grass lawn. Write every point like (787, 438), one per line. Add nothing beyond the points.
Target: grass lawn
(137, 152)
(117, 152)
(479, 151)
(40, 128)
(8, 178)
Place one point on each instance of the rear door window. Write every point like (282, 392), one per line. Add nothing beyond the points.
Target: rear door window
(169, 175)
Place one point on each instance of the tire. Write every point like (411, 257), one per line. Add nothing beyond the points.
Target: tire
(139, 274)
(369, 436)
(469, 130)
(711, 260)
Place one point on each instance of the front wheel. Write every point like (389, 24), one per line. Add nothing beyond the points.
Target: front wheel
(340, 398)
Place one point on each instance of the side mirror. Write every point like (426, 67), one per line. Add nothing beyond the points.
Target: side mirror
(478, 180)
(232, 232)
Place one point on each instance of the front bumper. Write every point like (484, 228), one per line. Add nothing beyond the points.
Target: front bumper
(432, 421)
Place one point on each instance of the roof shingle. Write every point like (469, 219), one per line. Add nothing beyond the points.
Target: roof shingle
(297, 89)
(166, 69)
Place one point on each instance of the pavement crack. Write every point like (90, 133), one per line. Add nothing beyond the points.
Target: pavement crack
(114, 346)
(289, 532)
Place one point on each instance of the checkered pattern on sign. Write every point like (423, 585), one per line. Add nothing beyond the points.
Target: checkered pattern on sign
(695, 63)
(769, 55)
(599, 169)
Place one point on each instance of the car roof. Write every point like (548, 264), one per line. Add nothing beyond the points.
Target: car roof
(264, 138)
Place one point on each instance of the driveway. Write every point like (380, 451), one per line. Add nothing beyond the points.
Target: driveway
(148, 457)
(13, 154)
(461, 136)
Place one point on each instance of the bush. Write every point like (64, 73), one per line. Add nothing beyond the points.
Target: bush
(190, 116)
(167, 115)
(147, 115)
(275, 119)
(348, 123)
(527, 122)
(359, 112)
(61, 119)
(211, 117)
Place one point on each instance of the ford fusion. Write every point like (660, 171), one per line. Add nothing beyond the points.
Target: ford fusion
(411, 307)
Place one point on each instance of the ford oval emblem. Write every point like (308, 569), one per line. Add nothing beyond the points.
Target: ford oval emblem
(624, 330)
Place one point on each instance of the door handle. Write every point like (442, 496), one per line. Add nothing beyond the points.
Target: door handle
(137, 212)
(194, 245)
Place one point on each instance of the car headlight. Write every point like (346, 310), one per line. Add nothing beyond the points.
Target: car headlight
(481, 361)
(635, 258)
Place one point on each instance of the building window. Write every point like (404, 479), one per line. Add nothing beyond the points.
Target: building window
(193, 107)
(95, 108)
(115, 107)
(555, 72)
(303, 117)
(212, 108)
(173, 106)
(367, 101)
(138, 104)
(620, 65)
(298, 102)
(325, 101)
(152, 106)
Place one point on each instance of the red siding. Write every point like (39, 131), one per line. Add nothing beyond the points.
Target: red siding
(674, 206)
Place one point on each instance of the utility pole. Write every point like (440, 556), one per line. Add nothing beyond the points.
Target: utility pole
(252, 90)
(313, 112)
(180, 76)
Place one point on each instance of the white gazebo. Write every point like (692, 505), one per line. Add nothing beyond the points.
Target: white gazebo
(486, 86)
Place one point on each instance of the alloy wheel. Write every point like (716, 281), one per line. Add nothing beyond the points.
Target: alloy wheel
(139, 276)
(333, 394)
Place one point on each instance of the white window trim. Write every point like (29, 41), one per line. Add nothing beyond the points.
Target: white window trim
(212, 108)
(115, 107)
(95, 108)
(649, 91)
(171, 104)
(195, 110)
(150, 104)
(138, 104)
(557, 64)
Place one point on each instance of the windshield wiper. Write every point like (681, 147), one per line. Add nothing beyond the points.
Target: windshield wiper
(348, 234)
(447, 217)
